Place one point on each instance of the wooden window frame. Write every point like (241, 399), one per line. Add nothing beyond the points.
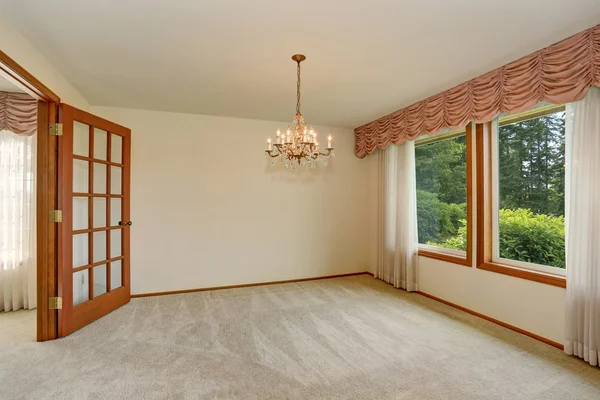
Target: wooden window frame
(485, 211)
(46, 193)
(466, 261)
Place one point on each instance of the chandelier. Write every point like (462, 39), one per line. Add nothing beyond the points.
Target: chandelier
(298, 146)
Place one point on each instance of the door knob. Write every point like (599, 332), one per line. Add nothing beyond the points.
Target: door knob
(128, 223)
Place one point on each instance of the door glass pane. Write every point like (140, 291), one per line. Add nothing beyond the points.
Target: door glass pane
(99, 280)
(115, 212)
(81, 139)
(115, 180)
(99, 178)
(99, 246)
(100, 144)
(116, 149)
(99, 212)
(115, 243)
(80, 213)
(80, 250)
(115, 275)
(80, 287)
(81, 176)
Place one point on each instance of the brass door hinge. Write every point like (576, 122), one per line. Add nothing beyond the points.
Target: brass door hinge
(55, 215)
(55, 303)
(56, 129)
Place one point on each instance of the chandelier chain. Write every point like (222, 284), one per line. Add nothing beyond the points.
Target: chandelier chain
(298, 92)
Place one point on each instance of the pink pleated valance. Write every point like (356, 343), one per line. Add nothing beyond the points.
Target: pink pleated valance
(558, 74)
(18, 113)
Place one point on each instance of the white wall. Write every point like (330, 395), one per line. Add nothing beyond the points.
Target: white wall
(22, 51)
(208, 210)
(533, 306)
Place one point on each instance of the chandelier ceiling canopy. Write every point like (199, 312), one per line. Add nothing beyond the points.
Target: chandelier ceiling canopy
(298, 146)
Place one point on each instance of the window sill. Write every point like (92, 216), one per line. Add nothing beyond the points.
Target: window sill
(548, 279)
(445, 257)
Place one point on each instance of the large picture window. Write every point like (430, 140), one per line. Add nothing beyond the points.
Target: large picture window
(528, 190)
(442, 195)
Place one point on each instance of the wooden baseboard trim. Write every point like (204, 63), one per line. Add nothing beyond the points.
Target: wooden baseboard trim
(247, 285)
(495, 321)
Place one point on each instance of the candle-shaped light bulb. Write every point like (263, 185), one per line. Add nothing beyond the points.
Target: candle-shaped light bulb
(278, 140)
(269, 144)
(329, 146)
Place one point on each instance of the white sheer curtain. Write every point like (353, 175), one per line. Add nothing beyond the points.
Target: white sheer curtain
(17, 221)
(397, 239)
(582, 333)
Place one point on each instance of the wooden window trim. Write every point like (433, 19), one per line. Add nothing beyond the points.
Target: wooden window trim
(484, 211)
(483, 151)
(439, 255)
(553, 280)
(531, 114)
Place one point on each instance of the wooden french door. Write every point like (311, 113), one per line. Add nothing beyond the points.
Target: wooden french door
(93, 240)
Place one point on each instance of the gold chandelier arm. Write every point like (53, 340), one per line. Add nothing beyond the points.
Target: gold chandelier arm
(272, 154)
(325, 154)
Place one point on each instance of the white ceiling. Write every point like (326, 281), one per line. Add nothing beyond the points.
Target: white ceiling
(232, 58)
(6, 86)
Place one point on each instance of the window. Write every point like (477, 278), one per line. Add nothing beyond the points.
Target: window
(443, 201)
(17, 198)
(528, 199)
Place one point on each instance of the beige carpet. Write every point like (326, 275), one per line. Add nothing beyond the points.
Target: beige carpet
(345, 338)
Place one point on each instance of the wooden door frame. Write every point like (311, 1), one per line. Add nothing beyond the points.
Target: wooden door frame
(46, 192)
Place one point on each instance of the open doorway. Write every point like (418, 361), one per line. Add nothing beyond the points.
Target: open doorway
(18, 156)
(40, 142)
(57, 193)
